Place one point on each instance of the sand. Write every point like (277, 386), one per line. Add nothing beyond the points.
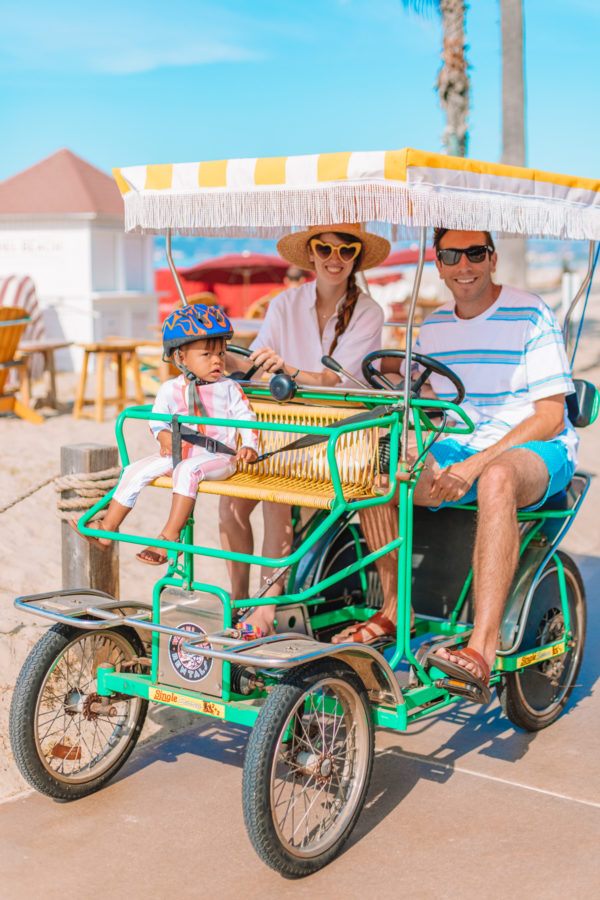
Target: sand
(30, 537)
(30, 532)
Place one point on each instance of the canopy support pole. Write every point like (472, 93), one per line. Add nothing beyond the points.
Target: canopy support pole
(409, 328)
(174, 272)
(578, 296)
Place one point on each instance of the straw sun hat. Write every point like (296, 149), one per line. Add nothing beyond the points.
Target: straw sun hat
(294, 247)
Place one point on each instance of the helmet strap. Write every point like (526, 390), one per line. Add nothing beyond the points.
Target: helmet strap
(194, 400)
(193, 394)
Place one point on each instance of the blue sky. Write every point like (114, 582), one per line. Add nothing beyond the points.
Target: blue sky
(122, 83)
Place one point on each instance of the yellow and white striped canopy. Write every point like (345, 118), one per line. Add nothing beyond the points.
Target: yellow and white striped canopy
(391, 191)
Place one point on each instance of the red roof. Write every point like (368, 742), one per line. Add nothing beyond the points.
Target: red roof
(61, 183)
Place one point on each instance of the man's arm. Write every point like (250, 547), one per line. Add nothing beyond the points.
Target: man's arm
(546, 423)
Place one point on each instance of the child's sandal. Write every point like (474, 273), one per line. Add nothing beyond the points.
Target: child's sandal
(153, 556)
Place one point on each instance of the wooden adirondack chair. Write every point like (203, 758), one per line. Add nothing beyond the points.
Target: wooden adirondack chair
(12, 325)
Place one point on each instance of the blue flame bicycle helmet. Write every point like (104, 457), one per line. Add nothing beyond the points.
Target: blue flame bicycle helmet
(196, 322)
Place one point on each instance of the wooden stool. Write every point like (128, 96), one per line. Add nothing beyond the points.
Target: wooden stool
(46, 347)
(125, 354)
(155, 370)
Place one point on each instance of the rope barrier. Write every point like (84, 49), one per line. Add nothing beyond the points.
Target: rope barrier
(28, 493)
(89, 487)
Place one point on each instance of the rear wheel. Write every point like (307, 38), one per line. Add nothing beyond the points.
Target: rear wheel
(308, 767)
(348, 546)
(65, 741)
(535, 696)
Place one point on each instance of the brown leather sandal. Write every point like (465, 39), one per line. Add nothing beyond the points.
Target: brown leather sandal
(458, 675)
(154, 556)
(365, 632)
(94, 541)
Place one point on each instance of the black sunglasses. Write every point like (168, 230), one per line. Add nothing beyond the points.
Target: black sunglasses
(450, 256)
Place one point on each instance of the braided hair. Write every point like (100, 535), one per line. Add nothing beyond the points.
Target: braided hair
(352, 292)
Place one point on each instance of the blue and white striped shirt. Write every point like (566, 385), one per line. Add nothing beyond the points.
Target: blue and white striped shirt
(507, 358)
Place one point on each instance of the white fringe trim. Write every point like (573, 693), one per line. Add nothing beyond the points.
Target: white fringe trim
(394, 211)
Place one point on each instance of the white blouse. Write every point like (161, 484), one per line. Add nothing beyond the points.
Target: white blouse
(291, 328)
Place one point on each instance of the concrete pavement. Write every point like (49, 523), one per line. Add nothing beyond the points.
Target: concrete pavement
(462, 803)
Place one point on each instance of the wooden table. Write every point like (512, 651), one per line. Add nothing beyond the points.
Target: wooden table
(47, 348)
(124, 352)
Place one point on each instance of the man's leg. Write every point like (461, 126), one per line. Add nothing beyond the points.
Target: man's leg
(515, 479)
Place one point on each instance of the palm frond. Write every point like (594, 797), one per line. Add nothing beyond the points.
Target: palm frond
(422, 6)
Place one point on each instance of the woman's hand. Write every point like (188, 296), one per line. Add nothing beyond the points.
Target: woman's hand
(267, 359)
(165, 439)
(246, 454)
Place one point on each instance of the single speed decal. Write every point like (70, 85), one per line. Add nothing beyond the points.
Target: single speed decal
(194, 704)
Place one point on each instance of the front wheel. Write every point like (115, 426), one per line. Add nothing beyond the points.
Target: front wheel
(308, 767)
(65, 741)
(535, 696)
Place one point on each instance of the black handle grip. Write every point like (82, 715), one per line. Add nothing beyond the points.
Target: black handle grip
(330, 363)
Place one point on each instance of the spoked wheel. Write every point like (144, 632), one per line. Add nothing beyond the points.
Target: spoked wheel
(308, 767)
(65, 742)
(534, 697)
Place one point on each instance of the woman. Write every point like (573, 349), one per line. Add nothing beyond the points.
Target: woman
(327, 316)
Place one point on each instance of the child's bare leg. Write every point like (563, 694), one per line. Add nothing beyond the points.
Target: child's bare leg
(115, 514)
(181, 509)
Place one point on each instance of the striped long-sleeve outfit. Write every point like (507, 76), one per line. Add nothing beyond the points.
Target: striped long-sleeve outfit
(222, 399)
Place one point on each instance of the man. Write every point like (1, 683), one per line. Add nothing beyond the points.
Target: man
(506, 347)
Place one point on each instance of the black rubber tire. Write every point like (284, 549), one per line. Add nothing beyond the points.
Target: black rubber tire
(267, 750)
(528, 697)
(34, 690)
(339, 554)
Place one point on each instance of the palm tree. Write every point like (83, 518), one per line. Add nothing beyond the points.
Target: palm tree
(513, 266)
(453, 79)
(453, 88)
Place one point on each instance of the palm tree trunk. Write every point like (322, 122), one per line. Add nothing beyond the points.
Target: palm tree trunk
(453, 79)
(512, 265)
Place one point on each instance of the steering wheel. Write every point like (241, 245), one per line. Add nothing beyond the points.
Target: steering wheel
(242, 351)
(377, 379)
(282, 386)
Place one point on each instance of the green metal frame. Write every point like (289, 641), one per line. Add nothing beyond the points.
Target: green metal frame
(418, 701)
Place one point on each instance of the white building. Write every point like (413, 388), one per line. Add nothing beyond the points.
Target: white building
(61, 222)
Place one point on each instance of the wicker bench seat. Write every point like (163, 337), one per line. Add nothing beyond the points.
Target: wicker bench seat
(302, 476)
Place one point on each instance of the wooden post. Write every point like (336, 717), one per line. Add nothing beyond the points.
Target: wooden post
(83, 564)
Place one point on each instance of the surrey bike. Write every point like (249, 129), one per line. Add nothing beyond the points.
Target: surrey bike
(82, 695)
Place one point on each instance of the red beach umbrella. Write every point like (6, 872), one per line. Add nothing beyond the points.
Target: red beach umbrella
(239, 268)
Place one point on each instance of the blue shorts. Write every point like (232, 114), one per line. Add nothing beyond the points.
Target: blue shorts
(552, 453)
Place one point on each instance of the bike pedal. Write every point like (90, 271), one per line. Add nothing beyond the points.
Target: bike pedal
(465, 689)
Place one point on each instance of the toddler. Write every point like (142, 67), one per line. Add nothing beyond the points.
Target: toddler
(194, 337)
